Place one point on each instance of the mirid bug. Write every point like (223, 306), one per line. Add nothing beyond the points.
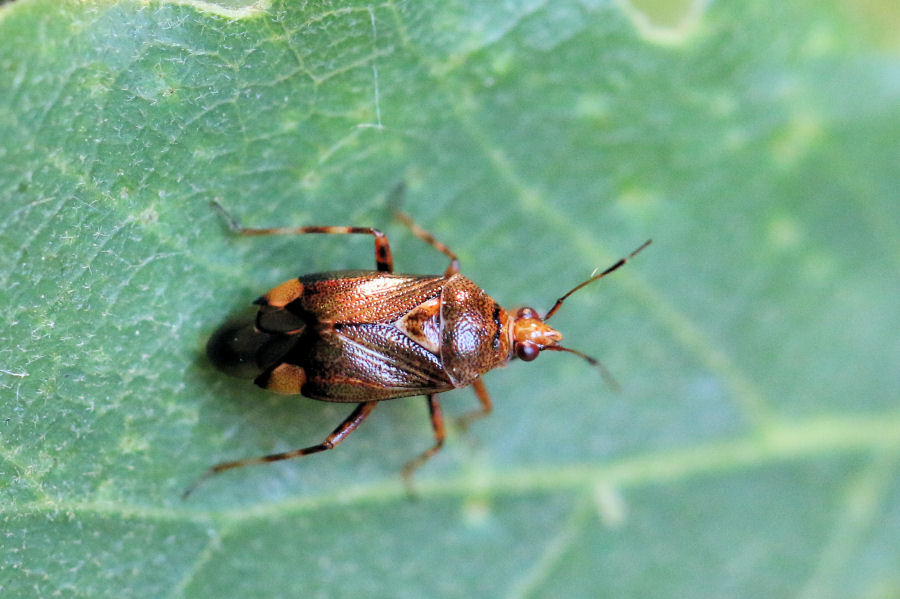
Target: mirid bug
(360, 336)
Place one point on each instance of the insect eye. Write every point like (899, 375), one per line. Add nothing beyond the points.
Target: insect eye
(527, 351)
(526, 313)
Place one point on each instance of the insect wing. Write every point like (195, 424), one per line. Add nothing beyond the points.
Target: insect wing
(367, 362)
(363, 297)
(358, 343)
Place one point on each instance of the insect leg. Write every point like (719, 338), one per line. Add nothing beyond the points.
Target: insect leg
(331, 441)
(428, 238)
(486, 406)
(437, 423)
(384, 261)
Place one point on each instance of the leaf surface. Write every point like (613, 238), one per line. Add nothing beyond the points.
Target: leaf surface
(754, 450)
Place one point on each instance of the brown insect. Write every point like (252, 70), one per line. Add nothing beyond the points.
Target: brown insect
(360, 336)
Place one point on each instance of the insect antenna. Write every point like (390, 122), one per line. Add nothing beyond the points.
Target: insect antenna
(615, 266)
(605, 374)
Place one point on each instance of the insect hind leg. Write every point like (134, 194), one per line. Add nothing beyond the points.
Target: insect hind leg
(331, 441)
(384, 260)
(421, 233)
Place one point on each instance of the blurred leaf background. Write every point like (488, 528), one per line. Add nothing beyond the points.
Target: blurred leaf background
(755, 448)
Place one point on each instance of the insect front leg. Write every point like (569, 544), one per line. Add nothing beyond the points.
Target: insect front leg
(331, 441)
(486, 406)
(437, 424)
(384, 261)
(428, 238)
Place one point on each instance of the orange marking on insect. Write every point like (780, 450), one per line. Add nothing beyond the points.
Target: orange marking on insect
(534, 329)
(287, 379)
(281, 296)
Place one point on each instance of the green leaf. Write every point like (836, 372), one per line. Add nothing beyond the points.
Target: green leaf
(755, 448)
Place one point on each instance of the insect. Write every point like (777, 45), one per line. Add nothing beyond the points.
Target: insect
(361, 337)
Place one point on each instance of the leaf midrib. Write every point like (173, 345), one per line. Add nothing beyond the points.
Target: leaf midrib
(781, 442)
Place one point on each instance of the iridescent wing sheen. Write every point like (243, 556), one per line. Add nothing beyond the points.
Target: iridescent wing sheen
(366, 362)
(361, 297)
